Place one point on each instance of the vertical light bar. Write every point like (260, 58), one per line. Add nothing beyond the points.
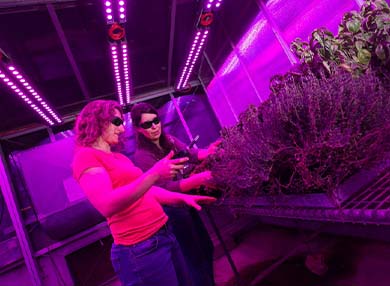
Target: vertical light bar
(108, 11)
(218, 4)
(33, 93)
(188, 61)
(193, 55)
(122, 11)
(18, 91)
(126, 70)
(115, 62)
(194, 60)
(213, 4)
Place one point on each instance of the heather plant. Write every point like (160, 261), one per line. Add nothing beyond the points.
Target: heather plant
(314, 131)
(325, 119)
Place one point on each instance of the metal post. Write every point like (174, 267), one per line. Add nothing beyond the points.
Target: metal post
(9, 198)
(225, 249)
(68, 51)
(220, 85)
(243, 65)
(209, 215)
(185, 125)
(275, 29)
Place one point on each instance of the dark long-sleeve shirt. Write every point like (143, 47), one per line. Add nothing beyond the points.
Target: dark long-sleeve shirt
(145, 158)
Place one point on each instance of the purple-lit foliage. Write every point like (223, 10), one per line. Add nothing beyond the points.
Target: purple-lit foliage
(309, 136)
(321, 124)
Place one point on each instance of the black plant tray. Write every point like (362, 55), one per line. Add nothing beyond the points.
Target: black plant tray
(353, 184)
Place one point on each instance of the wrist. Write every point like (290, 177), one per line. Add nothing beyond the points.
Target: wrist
(152, 175)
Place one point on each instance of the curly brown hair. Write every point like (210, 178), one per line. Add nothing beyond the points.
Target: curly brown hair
(93, 119)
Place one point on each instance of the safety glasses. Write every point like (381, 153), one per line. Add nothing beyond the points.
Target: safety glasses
(148, 124)
(117, 121)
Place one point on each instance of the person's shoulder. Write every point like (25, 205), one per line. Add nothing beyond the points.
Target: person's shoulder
(142, 152)
(82, 151)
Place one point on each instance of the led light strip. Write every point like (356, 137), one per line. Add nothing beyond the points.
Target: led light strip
(193, 55)
(209, 4)
(18, 91)
(119, 51)
(120, 8)
(115, 61)
(126, 70)
(108, 11)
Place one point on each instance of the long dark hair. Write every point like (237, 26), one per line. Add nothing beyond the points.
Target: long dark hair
(142, 142)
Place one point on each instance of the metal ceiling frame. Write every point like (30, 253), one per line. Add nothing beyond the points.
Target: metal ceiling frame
(171, 41)
(68, 51)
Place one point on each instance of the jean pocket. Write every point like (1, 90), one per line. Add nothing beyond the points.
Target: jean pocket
(145, 247)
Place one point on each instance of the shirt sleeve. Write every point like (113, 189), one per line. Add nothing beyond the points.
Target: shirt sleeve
(145, 160)
(83, 160)
(193, 158)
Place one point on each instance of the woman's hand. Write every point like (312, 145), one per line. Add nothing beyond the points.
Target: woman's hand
(195, 201)
(204, 178)
(213, 147)
(203, 153)
(167, 167)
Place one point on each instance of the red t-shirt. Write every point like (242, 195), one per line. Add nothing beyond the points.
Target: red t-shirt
(141, 219)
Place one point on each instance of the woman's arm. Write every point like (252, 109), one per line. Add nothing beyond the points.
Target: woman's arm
(145, 159)
(165, 197)
(97, 185)
(195, 181)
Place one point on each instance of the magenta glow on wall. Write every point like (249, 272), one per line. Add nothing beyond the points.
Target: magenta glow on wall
(244, 77)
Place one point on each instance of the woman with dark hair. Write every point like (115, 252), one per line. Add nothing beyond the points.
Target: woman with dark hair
(144, 251)
(152, 145)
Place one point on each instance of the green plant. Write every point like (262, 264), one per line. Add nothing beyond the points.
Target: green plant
(363, 42)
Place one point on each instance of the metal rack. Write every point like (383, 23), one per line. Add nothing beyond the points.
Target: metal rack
(368, 204)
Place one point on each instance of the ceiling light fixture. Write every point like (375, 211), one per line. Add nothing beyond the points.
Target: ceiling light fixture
(119, 48)
(34, 101)
(205, 21)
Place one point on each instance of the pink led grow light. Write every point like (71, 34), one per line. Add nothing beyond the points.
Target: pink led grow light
(115, 12)
(24, 90)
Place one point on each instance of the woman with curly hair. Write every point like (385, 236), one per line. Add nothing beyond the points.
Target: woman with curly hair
(144, 251)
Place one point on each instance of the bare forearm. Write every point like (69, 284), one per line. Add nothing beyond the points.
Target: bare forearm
(190, 183)
(202, 154)
(166, 197)
(116, 200)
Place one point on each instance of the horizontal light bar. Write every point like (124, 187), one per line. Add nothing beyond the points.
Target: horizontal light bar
(18, 75)
(192, 58)
(17, 90)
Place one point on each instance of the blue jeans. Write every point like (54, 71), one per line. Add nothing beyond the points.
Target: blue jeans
(195, 243)
(155, 261)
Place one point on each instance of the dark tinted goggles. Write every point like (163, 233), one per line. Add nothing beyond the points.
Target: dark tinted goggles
(148, 124)
(117, 121)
